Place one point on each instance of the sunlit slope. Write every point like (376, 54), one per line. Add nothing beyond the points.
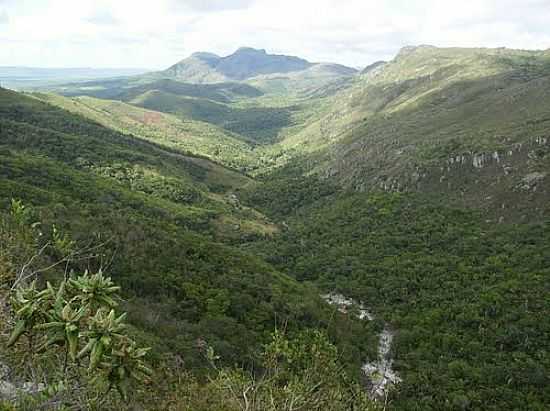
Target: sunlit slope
(239, 110)
(227, 132)
(470, 123)
(195, 137)
(191, 182)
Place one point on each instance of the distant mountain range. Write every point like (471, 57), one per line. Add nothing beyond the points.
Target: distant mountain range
(244, 64)
(272, 73)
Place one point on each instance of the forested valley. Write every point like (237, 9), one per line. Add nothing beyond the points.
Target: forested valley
(280, 235)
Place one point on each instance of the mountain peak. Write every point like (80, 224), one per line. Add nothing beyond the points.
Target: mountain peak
(413, 49)
(205, 55)
(243, 64)
(373, 67)
(250, 50)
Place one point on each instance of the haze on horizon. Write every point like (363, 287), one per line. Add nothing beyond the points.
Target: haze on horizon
(155, 35)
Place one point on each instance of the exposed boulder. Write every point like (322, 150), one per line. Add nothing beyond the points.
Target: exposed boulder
(531, 180)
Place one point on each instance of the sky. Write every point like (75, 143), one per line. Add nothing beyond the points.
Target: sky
(156, 34)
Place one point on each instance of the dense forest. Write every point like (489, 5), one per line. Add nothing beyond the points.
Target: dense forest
(468, 299)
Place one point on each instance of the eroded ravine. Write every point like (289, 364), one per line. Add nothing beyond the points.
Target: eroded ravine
(379, 373)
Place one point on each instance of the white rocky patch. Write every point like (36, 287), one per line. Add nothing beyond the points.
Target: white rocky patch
(379, 373)
(344, 304)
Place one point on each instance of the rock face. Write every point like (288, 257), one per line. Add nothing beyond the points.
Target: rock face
(507, 184)
(532, 180)
(344, 304)
(10, 391)
(380, 374)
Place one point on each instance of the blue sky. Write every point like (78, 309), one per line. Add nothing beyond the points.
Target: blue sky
(156, 34)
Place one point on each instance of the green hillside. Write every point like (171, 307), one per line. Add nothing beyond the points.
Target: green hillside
(129, 89)
(423, 191)
(172, 222)
(469, 123)
(239, 110)
(185, 135)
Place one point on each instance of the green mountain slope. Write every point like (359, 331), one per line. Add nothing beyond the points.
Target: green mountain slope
(216, 117)
(303, 83)
(469, 123)
(129, 89)
(185, 135)
(258, 124)
(172, 221)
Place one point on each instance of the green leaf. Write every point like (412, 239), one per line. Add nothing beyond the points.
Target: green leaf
(87, 348)
(17, 332)
(53, 324)
(105, 340)
(73, 345)
(145, 370)
(96, 355)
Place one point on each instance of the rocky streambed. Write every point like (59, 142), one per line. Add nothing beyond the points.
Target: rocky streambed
(379, 373)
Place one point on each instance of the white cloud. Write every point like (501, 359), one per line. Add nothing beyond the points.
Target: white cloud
(102, 17)
(156, 34)
(211, 5)
(4, 18)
